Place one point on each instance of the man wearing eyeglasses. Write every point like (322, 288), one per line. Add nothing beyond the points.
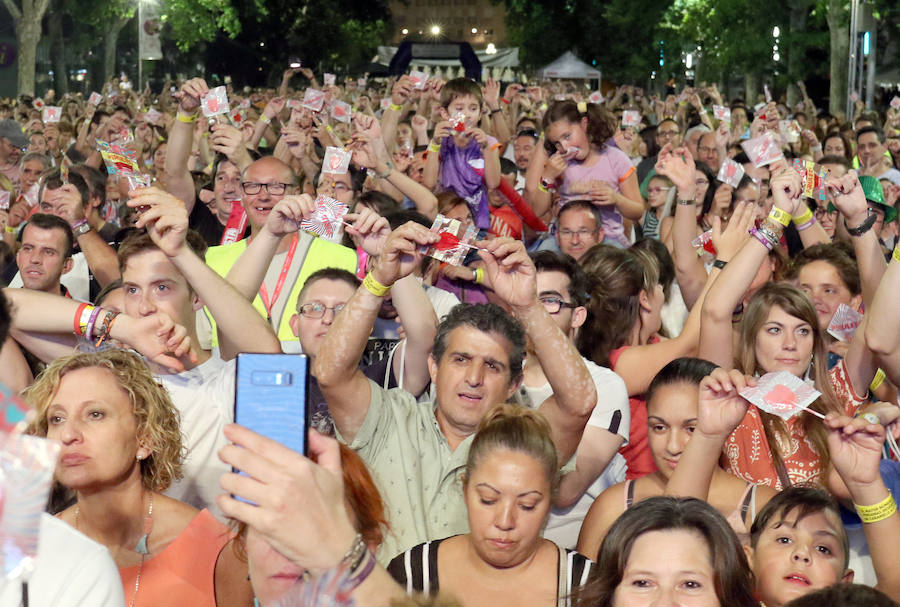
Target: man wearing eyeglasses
(578, 228)
(12, 143)
(562, 289)
(296, 254)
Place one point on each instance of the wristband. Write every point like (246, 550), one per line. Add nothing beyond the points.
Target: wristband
(862, 228)
(106, 327)
(10, 230)
(687, 202)
(265, 119)
(718, 263)
(374, 287)
(806, 225)
(762, 238)
(328, 128)
(876, 383)
(479, 276)
(387, 173)
(188, 118)
(896, 254)
(495, 111)
(77, 326)
(803, 217)
(877, 512)
(394, 107)
(89, 329)
(548, 184)
(434, 147)
(505, 100)
(359, 575)
(780, 216)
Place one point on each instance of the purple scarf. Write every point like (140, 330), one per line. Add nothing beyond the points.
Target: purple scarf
(457, 174)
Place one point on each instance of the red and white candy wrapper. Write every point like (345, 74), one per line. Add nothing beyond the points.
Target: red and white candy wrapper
(730, 172)
(4, 200)
(763, 150)
(362, 82)
(95, 99)
(722, 113)
(456, 240)
(327, 219)
(215, 102)
(120, 162)
(767, 92)
(704, 240)
(631, 118)
(341, 111)
(31, 194)
(418, 79)
(314, 99)
(124, 136)
(237, 117)
(596, 97)
(51, 113)
(895, 103)
(152, 116)
(337, 161)
(38, 103)
(385, 103)
(790, 130)
(844, 323)
(458, 122)
(812, 178)
(294, 104)
(328, 79)
(782, 394)
(26, 475)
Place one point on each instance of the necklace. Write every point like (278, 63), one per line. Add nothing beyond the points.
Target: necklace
(141, 547)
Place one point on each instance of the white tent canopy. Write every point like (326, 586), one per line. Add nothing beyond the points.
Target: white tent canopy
(568, 66)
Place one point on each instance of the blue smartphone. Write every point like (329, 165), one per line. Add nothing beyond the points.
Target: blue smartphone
(271, 397)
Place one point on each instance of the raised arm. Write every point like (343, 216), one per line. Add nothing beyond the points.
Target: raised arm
(241, 328)
(512, 276)
(883, 329)
(336, 367)
(181, 138)
(400, 93)
(542, 168)
(101, 258)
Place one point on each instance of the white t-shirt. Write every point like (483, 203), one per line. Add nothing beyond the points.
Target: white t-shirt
(204, 396)
(71, 570)
(613, 413)
(77, 280)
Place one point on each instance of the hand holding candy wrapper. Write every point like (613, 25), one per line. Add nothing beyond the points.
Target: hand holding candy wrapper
(26, 475)
(722, 113)
(327, 219)
(596, 97)
(95, 99)
(120, 162)
(812, 177)
(341, 111)
(763, 150)
(790, 130)
(782, 394)
(4, 200)
(337, 161)
(631, 118)
(458, 122)
(844, 323)
(328, 79)
(731, 173)
(51, 113)
(215, 102)
(705, 241)
(418, 79)
(313, 99)
(455, 240)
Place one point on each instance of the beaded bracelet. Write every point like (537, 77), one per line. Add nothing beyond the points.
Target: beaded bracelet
(877, 512)
(374, 287)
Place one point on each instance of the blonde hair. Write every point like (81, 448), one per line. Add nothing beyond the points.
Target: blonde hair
(516, 428)
(796, 303)
(157, 419)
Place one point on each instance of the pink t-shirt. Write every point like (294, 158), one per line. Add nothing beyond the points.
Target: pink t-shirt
(613, 167)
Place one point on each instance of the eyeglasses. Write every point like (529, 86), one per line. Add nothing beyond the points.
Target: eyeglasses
(554, 304)
(705, 149)
(581, 232)
(275, 189)
(667, 134)
(317, 310)
(336, 186)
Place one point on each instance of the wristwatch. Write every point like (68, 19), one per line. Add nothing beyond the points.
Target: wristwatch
(81, 227)
(863, 227)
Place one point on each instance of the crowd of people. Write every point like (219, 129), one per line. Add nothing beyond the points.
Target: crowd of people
(565, 397)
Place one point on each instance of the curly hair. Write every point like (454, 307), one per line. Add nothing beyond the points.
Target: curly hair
(600, 123)
(157, 419)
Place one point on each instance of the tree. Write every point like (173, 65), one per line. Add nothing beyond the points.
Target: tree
(27, 18)
(195, 21)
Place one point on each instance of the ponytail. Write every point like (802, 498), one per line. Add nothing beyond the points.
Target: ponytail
(600, 123)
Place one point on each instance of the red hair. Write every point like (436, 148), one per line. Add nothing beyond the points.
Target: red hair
(363, 497)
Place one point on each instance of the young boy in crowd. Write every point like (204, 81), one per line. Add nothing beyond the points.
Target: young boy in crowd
(462, 157)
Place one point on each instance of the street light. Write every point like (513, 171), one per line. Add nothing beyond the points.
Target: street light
(491, 49)
(435, 30)
(404, 31)
(474, 30)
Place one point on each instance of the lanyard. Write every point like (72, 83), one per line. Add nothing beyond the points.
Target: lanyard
(285, 268)
(237, 223)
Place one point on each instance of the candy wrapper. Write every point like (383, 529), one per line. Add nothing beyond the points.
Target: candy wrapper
(294, 104)
(237, 117)
(51, 113)
(731, 173)
(455, 241)
(4, 200)
(26, 475)
(215, 102)
(790, 130)
(337, 161)
(782, 394)
(895, 103)
(385, 103)
(124, 137)
(844, 323)
(341, 111)
(327, 218)
(596, 97)
(328, 79)
(722, 113)
(313, 99)
(763, 150)
(362, 83)
(237, 223)
(95, 99)
(812, 178)
(120, 162)
(705, 241)
(571, 153)
(631, 118)
(64, 170)
(458, 122)
(245, 103)
(767, 92)
(38, 103)
(418, 79)
(152, 116)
